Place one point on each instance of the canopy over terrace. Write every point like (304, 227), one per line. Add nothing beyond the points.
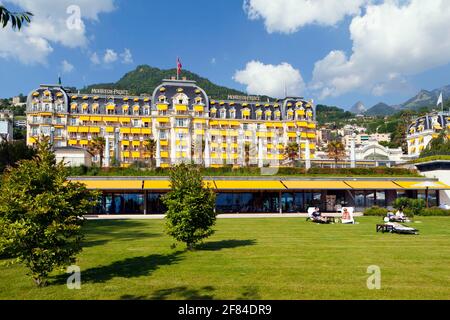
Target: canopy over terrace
(266, 194)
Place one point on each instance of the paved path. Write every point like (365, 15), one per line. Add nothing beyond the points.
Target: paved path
(220, 216)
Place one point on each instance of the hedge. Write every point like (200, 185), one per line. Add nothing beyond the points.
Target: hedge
(435, 212)
(376, 212)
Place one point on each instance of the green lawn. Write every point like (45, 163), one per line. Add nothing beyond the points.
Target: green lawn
(251, 259)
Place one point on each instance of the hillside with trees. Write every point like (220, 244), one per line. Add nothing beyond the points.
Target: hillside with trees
(144, 79)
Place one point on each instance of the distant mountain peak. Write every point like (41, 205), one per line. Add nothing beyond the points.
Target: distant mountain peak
(358, 108)
(380, 109)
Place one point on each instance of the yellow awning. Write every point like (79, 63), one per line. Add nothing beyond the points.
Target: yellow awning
(316, 185)
(112, 184)
(110, 119)
(157, 185)
(249, 185)
(125, 120)
(199, 120)
(94, 130)
(96, 118)
(163, 120)
(180, 107)
(373, 185)
(199, 108)
(162, 107)
(413, 185)
(84, 118)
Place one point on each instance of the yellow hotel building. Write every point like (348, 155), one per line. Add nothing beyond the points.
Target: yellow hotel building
(180, 117)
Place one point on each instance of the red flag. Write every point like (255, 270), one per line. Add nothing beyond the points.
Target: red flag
(179, 66)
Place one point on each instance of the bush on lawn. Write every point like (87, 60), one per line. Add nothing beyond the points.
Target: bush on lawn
(435, 212)
(376, 212)
(410, 207)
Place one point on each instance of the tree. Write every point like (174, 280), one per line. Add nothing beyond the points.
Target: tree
(197, 149)
(190, 206)
(97, 148)
(17, 18)
(291, 151)
(336, 151)
(247, 153)
(150, 147)
(41, 214)
(12, 152)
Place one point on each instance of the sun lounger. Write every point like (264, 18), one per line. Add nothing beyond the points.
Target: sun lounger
(395, 227)
(350, 211)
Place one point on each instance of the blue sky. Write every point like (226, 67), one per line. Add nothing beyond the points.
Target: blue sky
(216, 39)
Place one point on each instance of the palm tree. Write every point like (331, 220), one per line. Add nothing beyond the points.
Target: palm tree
(97, 148)
(197, 145)
(336, 151)
(150, 147)
(17, 19)
(291, 152)
(247, 153)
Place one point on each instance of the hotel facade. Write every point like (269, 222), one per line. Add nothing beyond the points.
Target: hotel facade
(182, 120)
(424, 129)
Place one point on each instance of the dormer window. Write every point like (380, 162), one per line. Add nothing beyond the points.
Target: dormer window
(180, 98)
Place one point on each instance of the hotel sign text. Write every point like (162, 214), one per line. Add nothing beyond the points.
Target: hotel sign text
(244, 98)
(110, 91)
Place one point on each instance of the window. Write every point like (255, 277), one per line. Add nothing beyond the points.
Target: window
(223, 113)
(136, 123)
(181, 123)
(163, 135)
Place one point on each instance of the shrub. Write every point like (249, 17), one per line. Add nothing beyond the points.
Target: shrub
(435, 212)
(410, 207)
(376, 212)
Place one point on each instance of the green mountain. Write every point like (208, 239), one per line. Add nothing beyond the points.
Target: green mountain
(144, 79)
(327, 114)
(380, 109)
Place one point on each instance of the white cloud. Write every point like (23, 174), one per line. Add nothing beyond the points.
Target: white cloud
(110, 56)
(288, 16)
(49, 26)
(127, 57)
(270, 80)
(67, 67)
(213, 60)
(391, 41)
(94, 58)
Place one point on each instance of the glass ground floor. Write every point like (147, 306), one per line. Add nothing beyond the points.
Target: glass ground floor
(292, 201)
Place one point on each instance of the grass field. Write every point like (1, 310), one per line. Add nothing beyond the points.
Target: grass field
(251, 259)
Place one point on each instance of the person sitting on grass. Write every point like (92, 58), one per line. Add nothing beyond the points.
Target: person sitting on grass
(317, 216)
(399, 215)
